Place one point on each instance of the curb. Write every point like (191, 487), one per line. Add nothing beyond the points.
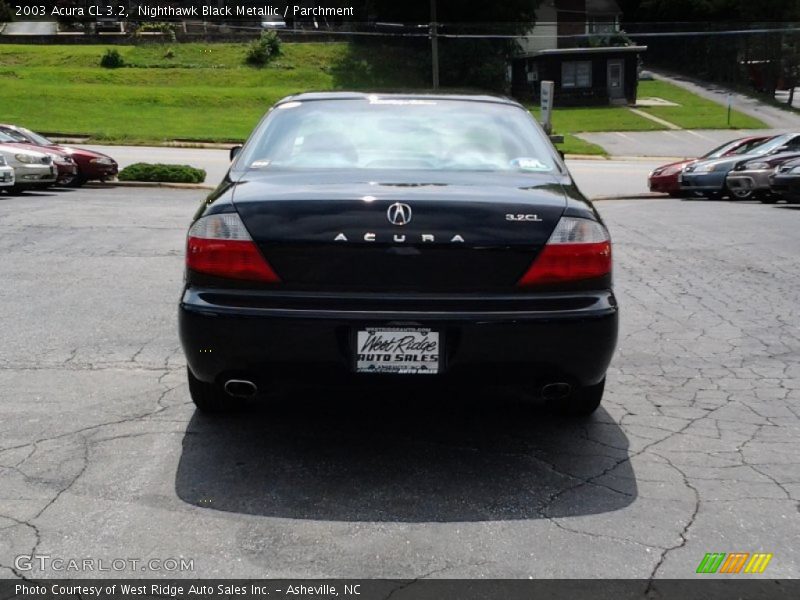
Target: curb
(60, 138)
(586, 157)
(152, 184)
(652, 158)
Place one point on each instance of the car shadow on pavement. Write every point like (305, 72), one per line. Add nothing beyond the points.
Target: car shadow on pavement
(470, 456)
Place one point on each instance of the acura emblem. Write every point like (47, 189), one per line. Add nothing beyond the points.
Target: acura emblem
(399, 214)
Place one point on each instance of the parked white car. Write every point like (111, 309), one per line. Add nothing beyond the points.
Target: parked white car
(6, 173)
(31, 169)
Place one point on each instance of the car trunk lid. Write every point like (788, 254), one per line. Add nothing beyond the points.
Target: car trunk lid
(414, 231)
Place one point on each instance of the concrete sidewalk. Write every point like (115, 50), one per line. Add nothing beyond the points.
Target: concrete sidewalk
(30, 28)
(679, 143)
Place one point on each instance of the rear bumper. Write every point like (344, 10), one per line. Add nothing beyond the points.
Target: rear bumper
(667, 184)
(785, 184)
(35, 175)
(91, 170)
(749, 180)
(506, 339)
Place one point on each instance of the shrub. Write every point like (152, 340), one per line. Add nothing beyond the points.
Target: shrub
(167, 29)
(264, 49)
(112, 59)
(162, 173)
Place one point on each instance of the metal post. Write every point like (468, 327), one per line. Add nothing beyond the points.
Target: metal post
(434, 30)
(730, 100)
(546, 90)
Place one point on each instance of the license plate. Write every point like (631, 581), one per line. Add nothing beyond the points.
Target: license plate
(399, 350)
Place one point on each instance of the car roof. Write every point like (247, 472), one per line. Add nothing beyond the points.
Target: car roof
(345, 95)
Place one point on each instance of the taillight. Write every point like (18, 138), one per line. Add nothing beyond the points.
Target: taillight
(577, 249)
(220, 245)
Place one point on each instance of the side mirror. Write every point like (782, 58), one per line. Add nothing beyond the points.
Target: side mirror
(561, 154)
(557, 138)
(235, 151)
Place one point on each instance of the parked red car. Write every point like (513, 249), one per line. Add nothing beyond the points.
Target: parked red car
(665, 178)
(67, 169)
(91, 165)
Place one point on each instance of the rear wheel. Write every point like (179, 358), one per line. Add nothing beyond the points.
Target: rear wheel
(582, 402)
(768, 198)
(208, 398)
(740, 194)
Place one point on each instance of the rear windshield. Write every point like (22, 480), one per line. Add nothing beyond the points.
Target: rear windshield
(399, 133)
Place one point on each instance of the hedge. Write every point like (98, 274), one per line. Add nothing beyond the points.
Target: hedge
(162, 173)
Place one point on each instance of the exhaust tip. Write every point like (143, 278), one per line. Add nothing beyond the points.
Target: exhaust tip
(240, 388)
(556, 391)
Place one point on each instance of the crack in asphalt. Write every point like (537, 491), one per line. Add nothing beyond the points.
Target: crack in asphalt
(86, 443)
(684, 533)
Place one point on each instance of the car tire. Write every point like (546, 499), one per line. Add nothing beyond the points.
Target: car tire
(208, 398)
(78, 181)
(768, 198)
(740, 194)
(582, 402)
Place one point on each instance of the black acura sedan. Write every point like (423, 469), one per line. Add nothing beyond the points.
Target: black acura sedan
(387, 238)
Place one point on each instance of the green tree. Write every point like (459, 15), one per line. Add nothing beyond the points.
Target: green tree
(765, 61)
(464, 61)
(6, 13)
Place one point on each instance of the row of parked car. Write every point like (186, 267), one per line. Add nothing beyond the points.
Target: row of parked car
(765, 168)
(30, 161)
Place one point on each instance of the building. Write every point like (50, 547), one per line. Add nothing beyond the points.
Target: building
(578, 45)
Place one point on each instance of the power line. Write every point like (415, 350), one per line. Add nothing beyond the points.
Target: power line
(652, 34)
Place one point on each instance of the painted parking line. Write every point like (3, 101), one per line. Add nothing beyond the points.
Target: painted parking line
(700, 135)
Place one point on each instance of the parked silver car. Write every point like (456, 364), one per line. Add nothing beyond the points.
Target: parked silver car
(750, 179)
(6, 173)
(32, 169)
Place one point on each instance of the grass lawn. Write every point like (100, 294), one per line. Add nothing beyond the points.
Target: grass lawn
(598, 118)
(694, 112)
(178, 91)
(575, 145)
(206, 92)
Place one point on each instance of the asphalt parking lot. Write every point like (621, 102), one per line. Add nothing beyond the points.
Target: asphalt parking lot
(102, 456)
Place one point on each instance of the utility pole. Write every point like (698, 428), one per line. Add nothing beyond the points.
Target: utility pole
(434, 30)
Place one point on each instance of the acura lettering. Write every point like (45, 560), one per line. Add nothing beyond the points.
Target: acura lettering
(400, 238)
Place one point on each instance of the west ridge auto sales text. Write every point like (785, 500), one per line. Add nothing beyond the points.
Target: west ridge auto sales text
(172, 590)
